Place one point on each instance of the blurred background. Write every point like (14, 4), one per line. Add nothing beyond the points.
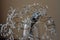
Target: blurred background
(53, 9)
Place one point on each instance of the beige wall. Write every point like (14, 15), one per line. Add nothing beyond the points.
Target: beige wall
(53, 10)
